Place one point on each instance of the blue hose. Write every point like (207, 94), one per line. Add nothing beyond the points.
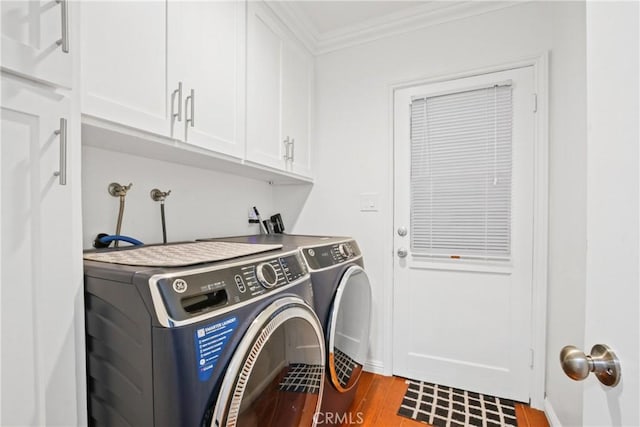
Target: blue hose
(106, 240)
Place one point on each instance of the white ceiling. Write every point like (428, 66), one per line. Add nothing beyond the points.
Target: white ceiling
(335, 16)
(326, 25)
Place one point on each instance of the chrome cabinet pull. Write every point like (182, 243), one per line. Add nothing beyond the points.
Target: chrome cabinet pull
(190, 120)
(286, 149)
(293, 149)
(64, 13)
(177, 93)
(62, 132)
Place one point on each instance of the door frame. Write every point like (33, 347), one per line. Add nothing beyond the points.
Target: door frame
(540, 214)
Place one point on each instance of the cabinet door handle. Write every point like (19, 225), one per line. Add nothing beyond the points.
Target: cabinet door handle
(286, 149)
(190, 121)
(177, 93)
(62, 133)
(64, 13)
(293, 149)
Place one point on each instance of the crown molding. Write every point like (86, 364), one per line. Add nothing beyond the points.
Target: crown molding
(297, 22)
(403, 21)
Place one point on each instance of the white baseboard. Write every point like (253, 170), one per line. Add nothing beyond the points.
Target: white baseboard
(553, 419)
(375, 366)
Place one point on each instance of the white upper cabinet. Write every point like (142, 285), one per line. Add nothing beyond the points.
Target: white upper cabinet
(264, 88)
(279, 88)
(124, 64)
(173, 68)
(207, 54)
(297, 89)
(223, 76)
(35, 40)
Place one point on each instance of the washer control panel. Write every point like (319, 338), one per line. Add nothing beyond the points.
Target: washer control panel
(320, 257)
(197, 291)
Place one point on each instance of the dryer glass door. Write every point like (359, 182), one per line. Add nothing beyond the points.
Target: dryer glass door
(276, 376)
(349, 321)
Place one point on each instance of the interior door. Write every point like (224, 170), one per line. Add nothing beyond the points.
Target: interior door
(462, 314)
(31, 31)
(613, 193)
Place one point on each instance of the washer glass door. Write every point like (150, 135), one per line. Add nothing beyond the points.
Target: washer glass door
(349, 321)
(276, 376)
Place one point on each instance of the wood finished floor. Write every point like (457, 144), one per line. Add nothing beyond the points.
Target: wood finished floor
(378, 399)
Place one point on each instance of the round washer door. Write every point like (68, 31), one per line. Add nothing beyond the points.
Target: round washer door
(276, 375)
(349, 322)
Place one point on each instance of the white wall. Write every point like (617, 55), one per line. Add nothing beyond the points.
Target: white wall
(353, 152)
(202, 203)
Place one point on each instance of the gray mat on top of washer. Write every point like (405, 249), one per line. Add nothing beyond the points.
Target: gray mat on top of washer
(443, 406)
(179, 254)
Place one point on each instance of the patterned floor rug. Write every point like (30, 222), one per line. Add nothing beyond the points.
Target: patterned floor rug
(443, 406)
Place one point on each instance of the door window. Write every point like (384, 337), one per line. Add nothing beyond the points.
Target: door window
(277, 375)
(461, 173)
(349, 329)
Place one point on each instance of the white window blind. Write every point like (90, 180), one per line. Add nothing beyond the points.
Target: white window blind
(461, 174)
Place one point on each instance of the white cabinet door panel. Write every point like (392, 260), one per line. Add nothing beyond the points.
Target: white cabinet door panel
(41, 274)
(124, 63)
(207, 54)
(279, 95)
(30, 32)
(264, 65)
(296, 105)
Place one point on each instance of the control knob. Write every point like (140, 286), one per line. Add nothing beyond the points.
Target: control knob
(267, 275)
(345, 250)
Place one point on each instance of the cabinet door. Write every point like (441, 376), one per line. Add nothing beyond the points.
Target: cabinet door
(41, 271)
(264, 88)
(207, 53)
(297, 85)
(124, 63)
(30, 32)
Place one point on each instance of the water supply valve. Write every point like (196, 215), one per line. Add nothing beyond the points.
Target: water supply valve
(159, 196)
(118, 190)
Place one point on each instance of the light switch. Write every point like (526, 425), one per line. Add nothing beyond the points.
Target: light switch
(369, 202)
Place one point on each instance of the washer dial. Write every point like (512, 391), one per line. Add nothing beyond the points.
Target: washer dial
(267, 275)
(345, 250)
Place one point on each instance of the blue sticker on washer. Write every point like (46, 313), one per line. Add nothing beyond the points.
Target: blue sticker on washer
(210, 341)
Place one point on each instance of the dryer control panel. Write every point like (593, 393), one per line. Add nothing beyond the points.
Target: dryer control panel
(320, 257)
(191, 293)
